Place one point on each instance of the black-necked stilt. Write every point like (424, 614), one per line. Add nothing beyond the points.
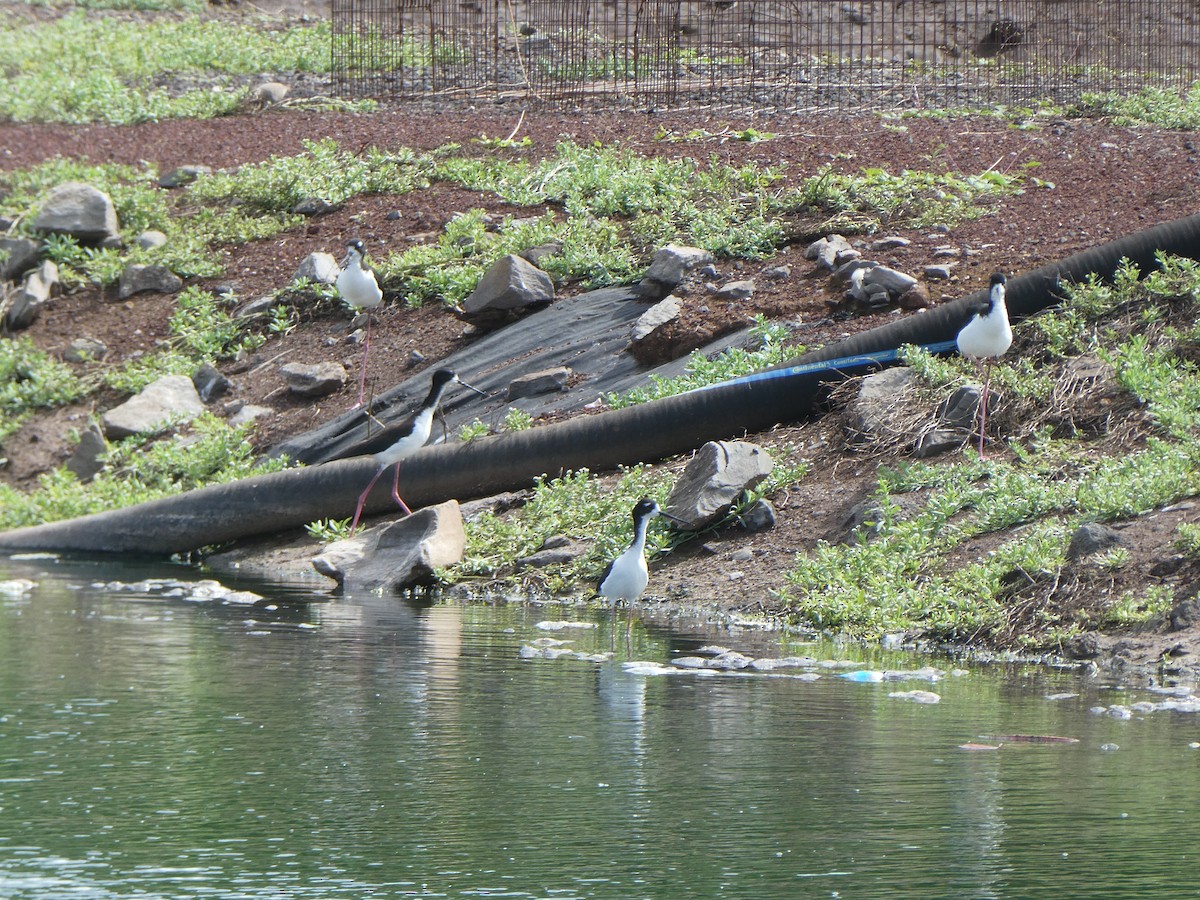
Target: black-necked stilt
(986, 336)
(393, 444)
(627, 576)
(358, 287)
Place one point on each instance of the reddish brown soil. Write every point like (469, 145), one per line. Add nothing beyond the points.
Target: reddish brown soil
(1106, 182)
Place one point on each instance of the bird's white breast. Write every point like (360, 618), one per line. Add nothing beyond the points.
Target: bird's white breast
(628, 578)
(410, 443)
(359, 287)
(986, 336)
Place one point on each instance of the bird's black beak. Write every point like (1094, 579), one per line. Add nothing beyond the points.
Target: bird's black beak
(471, 387)
(675, 520)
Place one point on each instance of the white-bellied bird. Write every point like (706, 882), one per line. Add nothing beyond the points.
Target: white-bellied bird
(393, 444)
(358, 287)
(986, 336)
(627, 576)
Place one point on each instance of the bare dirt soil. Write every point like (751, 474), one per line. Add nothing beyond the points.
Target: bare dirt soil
(1100, 182)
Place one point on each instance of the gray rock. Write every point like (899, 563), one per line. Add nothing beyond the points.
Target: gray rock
(88, 456)
(894, 282)
(80, 211)
(736, 290)
(319, 267)
(138, 279)
(497, 504)
(877, 296)
(316, 380)
(1083, 646)
(150, 240)
(36, 290)
(249, 413)
(1092, 537)
(892, 242)
(759, 516)
(936, 273)
(829, 249)
(719, 473)
(547, 381)
(916, 297)
(961, 408)
(511, 283)
(777, 273)
(16, 256)
(864, 521)
(940, 440)
(668, 268)
(550, 556)
(182, 176)
(210, 383)
(873, 412)
(85, 349)
(851, 272)
(537, 255)
(1185, 614)
(315, 206)
(159, 405)
(662, 312)
(399, 555)
(259, 307)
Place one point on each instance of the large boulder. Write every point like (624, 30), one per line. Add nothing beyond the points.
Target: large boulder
(719, 473)
(138, 279)
(511, 283)
(400, 555)
(315, 380)
(79, 210)
(319, 267)
(167, 401)
(668, 268)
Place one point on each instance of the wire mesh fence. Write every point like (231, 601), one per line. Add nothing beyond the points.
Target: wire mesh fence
(783, 54)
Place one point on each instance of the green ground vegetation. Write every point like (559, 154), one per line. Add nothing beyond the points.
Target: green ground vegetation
(976, 549)
(960, 549)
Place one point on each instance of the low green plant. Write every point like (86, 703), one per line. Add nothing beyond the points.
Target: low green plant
(328, 530)
(517, 420)
(909, 572)
(31, 379)
(1187, 539)
(139, 469)
(914, 199)
(473, 431)
(1157, 106)
(324, 170)
(48, 81)
(577, 506)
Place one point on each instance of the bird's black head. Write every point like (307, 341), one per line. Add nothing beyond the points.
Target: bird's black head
(356, 246)
(443, 377)
(998, 278)
(644, 508)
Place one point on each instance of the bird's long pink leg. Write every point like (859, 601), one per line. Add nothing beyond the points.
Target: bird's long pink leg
(396, 492)
(362, 501)
(983, 402)
(362, 383)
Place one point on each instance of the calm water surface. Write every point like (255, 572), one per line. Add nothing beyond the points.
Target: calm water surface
(155, 743)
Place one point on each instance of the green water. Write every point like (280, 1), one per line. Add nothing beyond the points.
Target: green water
(156, 746)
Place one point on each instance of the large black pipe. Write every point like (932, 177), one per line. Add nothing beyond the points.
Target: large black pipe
(650, 431)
